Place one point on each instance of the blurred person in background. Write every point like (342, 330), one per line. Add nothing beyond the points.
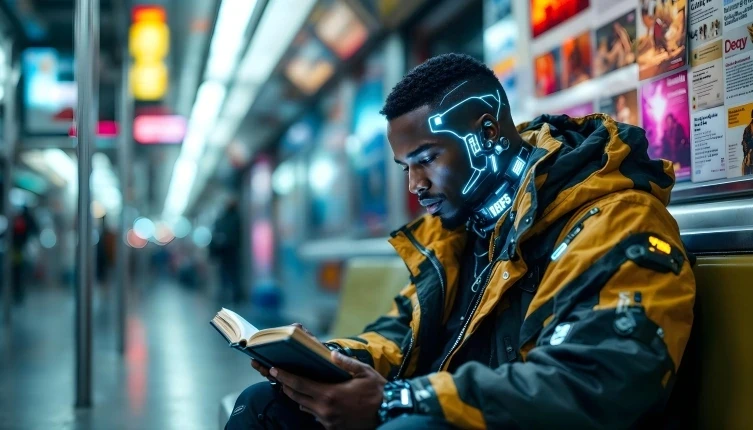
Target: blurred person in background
(549, 285)
(226, 249)
(24, 228)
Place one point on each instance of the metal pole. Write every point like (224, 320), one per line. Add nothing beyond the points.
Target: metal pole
(87, 50)
(124, 168)
(9, 137)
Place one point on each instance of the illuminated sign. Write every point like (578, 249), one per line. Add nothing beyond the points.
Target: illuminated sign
(151, 129)
(149, 45)
(661, 245)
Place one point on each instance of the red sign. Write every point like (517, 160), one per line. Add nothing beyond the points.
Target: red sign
(155, 129)
(104, 129)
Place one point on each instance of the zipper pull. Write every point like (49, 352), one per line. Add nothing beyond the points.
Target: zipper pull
(562, 247)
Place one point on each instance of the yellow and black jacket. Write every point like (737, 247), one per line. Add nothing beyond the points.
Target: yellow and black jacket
(588, 306)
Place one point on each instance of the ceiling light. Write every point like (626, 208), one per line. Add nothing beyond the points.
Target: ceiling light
(227, 40)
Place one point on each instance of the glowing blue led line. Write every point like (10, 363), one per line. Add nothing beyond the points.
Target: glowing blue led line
(470, 139)
(494, 165)
(445, 96)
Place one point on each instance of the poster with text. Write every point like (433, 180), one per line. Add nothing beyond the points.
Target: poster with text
(738, 65)
(708, 148)
(505, 72)
(578, 111)
(740, 140)
(546, 68)
(666, 119)
(547, 14)
(622, 107)
(737, 13)
(576, 60)
(705, 21)
(661, 37)
(707, 70)
(615, 44)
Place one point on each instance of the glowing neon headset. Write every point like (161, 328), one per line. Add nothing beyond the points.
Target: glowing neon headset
(491, 162)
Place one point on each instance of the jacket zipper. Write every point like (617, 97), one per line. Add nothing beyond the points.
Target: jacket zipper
(441, 274)
(470, 316)
(562, 247)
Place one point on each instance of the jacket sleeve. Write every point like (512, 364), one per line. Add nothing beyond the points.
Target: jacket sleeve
(380, 345)
(614, 314)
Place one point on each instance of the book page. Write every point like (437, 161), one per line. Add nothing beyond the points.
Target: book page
(245, 328)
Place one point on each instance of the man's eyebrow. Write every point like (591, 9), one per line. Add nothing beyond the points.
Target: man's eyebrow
(417, 151)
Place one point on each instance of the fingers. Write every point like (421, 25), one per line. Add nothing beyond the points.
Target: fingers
(303, 400)
(297, 383)
(305, 330)
(260, 368)
(348, 364)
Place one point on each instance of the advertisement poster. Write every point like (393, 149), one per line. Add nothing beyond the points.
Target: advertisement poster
(580, 110)
(661, 37)
(546, 72)
(707, 87)
(547, 14)
(737, 12)
(576, 60)
(709, 150)
(495, 10)
(622, 107)
(666, 119)
(740, 141)
(500, 40)
(505, 72)
(615, 44)
(738, 64)
(705, 21)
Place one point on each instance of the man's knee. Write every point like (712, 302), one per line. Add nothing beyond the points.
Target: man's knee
(250, 405)
(256, 397)
(416, 422)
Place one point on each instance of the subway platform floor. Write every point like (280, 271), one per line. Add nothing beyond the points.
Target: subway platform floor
(175, 370)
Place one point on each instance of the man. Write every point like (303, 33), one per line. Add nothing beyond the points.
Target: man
(225, 247)
(747, 144)
(549, 286)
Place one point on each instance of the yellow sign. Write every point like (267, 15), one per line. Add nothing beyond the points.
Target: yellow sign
(149, 45)
(739, 116)
(149, 81)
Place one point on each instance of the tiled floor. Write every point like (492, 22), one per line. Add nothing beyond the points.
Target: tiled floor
(173, 375)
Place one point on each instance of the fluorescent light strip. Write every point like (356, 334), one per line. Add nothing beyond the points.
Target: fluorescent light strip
(278, 26)
(227, 40)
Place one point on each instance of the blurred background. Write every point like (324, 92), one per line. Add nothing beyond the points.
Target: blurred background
(235, 157)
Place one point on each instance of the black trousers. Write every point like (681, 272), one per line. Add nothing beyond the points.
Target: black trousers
(261, 406)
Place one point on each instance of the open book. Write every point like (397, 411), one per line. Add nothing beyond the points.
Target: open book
(286, 347)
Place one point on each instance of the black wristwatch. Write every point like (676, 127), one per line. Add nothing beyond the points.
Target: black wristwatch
(342, 350)
(397, 400)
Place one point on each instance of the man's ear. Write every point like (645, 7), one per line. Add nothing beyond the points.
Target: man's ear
(489, 127)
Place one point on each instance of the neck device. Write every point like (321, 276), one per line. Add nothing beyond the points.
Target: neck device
(496, 204)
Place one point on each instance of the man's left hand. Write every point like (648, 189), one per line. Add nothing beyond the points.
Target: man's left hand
(352, 404)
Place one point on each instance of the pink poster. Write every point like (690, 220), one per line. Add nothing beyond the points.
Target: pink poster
(580, 110)
(666, 118)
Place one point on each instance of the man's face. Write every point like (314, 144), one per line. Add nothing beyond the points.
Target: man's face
(437, 166)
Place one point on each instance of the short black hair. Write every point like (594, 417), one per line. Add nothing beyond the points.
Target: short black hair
(427, 83)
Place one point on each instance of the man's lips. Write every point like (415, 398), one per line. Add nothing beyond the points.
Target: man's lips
(431, 205)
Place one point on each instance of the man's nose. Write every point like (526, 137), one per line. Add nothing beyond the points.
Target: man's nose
(418, 183)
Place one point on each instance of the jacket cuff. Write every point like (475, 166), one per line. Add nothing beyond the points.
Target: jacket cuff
(425, 398)
(437, 395)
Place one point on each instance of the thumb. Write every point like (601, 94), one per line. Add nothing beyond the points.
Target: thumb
(351, 365)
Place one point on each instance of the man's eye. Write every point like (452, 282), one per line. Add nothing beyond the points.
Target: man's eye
(427, 160)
